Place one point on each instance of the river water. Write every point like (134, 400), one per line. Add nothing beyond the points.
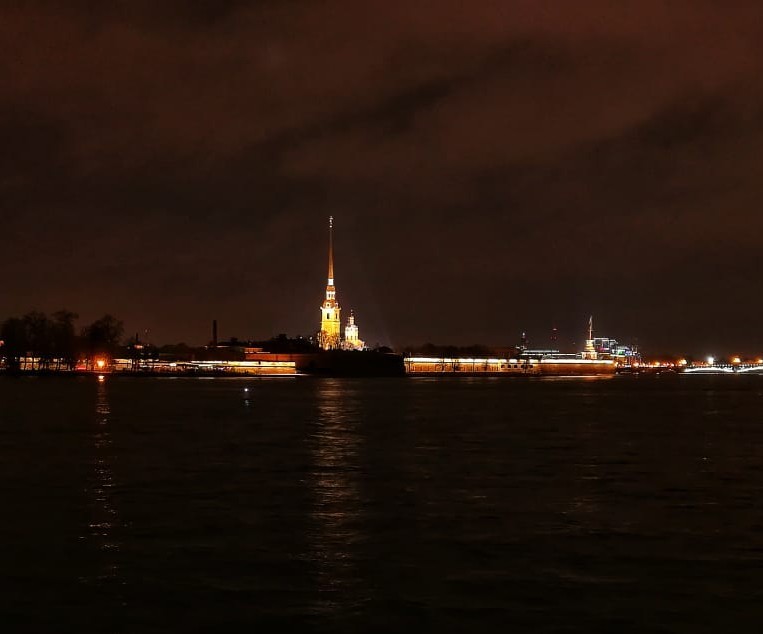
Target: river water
(541, 505)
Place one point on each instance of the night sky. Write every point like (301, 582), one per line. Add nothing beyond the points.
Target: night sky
(492, 166)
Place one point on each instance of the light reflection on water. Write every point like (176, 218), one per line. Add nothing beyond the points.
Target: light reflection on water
(104, 514)
(334, 445)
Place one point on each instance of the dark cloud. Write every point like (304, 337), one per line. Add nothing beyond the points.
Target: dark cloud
(493, 166)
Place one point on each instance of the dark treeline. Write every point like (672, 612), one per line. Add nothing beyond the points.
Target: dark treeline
(54, 343)
(41, 342)
(279, 344)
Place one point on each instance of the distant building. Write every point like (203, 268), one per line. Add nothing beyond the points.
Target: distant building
(329, 336)
(608, 348)
(352, 339)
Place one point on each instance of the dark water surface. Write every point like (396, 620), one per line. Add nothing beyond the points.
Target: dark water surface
(152, 505)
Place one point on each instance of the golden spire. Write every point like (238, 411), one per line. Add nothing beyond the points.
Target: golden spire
(329, 335)
(331, 250)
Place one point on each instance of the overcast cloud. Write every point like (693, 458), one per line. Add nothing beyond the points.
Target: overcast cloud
(492, 167)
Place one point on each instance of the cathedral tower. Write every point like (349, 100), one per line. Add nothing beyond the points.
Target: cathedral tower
(329, 337)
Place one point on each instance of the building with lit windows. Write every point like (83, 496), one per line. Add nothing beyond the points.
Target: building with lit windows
(609, 348)
(352, 339)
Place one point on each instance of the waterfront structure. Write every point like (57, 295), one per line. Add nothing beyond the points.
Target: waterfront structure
(329, 337)
(589, 352)
(352, 339)
(735, 367)
(609, 348)
(527, 362)
(524, 365)
(269, 365)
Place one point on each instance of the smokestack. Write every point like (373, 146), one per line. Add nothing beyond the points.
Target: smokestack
(214, 333)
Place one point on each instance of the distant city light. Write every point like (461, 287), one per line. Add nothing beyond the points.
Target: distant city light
(101, 364)
(736, 360)
(710, 360)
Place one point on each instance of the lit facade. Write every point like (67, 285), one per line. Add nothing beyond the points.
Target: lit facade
(329, 336)
(352, 339)
(609, 348)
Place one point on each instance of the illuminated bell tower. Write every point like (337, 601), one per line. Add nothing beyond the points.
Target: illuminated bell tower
(329, 337)
(352, 340)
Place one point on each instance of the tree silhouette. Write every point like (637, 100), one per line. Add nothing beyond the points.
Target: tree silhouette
(64, 338)
(15, 342)
(103, 335)
(38, 342)
(39, 330)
